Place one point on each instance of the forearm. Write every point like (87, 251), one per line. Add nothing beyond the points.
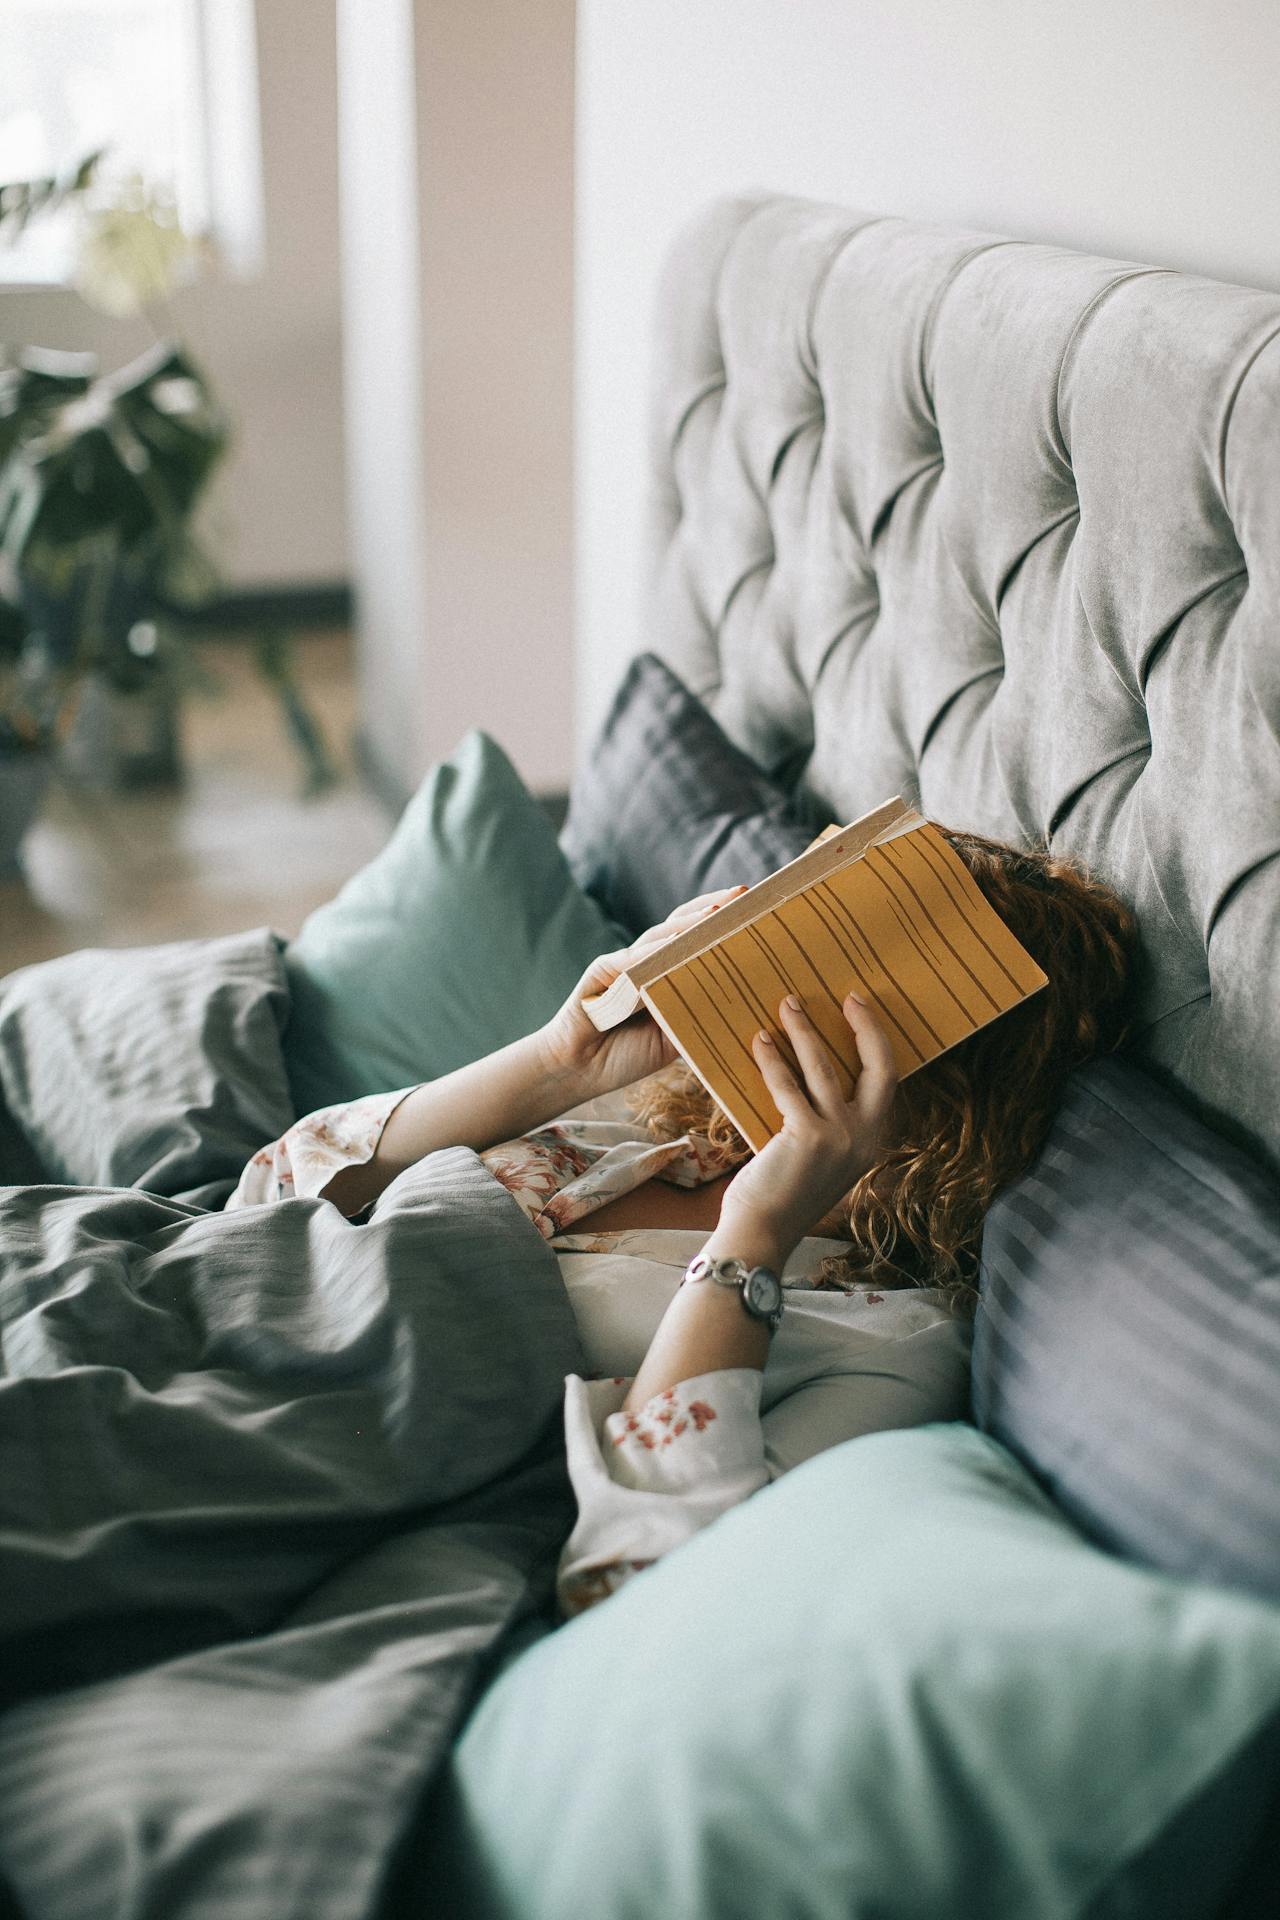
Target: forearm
(494, 1099)
(706, 1326)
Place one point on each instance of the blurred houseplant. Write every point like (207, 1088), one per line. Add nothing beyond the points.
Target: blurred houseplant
(100, 476)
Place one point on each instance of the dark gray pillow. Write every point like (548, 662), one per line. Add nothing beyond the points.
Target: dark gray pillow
(667, 807)
(1127, 1346)
(155, 1067)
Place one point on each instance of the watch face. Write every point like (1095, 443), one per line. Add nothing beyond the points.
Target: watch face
(762, 1292)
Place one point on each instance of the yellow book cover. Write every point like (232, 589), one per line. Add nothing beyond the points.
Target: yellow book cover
(885, 908)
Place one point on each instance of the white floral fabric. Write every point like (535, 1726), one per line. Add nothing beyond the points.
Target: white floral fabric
(648, 1481)
(845, 1361)
(302, 1162)
(557, 1175)
(561, 1173)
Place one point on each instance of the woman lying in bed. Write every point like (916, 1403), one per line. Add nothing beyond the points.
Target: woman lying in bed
(708, 1378)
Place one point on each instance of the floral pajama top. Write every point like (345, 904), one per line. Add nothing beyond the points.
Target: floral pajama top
(843, 1362)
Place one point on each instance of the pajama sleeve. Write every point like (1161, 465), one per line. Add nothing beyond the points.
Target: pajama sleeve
(301, 1163)
(649, 1480)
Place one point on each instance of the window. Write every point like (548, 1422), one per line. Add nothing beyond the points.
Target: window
(167, 86)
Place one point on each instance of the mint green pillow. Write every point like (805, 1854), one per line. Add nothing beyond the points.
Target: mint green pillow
(464, 933)
(896, 1684)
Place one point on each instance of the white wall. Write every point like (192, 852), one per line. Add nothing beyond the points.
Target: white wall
(271, 346)
(382, 340)
(457, 202)
(1148, 129)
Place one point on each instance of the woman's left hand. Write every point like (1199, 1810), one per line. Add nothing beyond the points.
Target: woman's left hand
(576, 1048)
(829, 1137)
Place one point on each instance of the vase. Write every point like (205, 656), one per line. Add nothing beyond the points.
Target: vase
(23, 779)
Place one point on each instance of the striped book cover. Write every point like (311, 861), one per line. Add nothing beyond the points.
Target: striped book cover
(884, 907)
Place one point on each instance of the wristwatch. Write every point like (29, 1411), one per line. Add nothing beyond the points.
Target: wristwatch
(759, 1289)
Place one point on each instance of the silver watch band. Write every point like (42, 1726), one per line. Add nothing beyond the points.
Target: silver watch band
(758, 1288)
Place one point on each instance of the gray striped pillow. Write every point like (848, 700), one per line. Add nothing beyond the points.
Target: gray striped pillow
(1127, 1345)
(667, 807)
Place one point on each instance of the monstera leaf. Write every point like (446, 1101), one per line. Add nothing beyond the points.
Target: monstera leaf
(173, 420)
(33, 385)
(123, 456)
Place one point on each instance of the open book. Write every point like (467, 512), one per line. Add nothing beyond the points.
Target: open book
(884, 907)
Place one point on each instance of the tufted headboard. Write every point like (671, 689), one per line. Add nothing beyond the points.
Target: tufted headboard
(997, 526)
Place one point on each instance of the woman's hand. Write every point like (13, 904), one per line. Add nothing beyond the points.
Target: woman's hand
(604, 1061)
(828, 1141)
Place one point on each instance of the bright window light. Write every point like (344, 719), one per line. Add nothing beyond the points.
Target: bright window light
(168, 87)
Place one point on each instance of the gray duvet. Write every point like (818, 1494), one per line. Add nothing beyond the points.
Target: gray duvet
(275, 1490)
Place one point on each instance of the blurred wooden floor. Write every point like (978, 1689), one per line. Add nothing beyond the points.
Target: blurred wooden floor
(234, 847)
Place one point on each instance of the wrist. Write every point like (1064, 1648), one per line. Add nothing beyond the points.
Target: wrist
(752, 1238)
(565, 1081)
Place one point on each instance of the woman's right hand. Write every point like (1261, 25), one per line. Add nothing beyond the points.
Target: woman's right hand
(829, 1139)
(575, 1046)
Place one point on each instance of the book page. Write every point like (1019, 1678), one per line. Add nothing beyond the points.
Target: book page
(905, 927)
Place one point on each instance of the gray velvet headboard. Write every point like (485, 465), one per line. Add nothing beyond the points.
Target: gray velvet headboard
(997, 526)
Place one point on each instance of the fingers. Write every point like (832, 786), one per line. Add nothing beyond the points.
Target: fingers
(681, 919)
(822, 1078)
(604, 971)
(689, 912)
(785, 1091)
(704, 903)
(879, 1075)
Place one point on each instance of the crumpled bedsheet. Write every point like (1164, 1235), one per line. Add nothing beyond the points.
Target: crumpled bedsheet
(275, 1490)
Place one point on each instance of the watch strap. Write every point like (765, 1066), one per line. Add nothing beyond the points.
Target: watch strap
(737, 1274)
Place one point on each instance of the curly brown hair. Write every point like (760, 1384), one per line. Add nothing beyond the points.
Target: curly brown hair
(976, 1117)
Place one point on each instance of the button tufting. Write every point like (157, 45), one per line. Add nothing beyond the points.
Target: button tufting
(1058, 615)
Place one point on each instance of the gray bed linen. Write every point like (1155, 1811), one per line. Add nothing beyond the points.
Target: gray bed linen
(274, 1487)
(156, 1067)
